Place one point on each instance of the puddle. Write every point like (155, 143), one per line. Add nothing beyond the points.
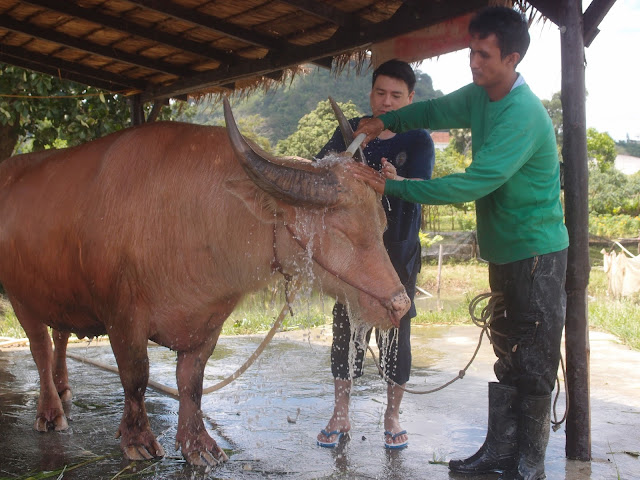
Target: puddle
(250, 418)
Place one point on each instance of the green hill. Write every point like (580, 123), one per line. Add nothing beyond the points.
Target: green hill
(281, 108)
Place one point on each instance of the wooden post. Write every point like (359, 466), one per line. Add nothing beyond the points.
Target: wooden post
(137, 112)
(574, 152)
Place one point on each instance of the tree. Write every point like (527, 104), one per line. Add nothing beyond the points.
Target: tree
(449, 161)
(601, 149)
(612, 192)
(252, 128)
(40, 108)
(629, 147)
(554, 107)
(39, 111)
(314, 130)
(461, 140)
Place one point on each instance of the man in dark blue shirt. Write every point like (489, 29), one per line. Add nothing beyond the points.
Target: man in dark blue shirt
(412, 155)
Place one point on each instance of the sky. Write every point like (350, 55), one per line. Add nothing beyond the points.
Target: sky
(612, 73)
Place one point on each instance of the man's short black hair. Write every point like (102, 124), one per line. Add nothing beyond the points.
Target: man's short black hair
(396, 69)
(509, 26)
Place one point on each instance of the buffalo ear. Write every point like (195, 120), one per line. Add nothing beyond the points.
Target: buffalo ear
(263, 206)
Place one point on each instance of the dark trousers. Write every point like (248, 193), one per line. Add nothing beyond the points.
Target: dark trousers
(527, 339)
(395, 355)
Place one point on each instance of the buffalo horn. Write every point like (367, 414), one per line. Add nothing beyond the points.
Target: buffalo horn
(292, 185)
(347, 131)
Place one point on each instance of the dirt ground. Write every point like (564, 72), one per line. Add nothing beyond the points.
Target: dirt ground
(268, 419)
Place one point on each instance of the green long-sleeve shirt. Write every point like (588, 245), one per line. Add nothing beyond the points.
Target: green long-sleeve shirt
(514, 176)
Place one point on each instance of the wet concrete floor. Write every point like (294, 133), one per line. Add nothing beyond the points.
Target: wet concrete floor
(249, 418)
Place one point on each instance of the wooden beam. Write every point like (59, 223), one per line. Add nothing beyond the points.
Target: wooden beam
(132, 28)
(275, 75)
(81, 73)
(548, 8)
(210, 23)
(54, 72)
(576, 177)
(84, 45)
(407, 18)
(327, 12)
(325, 62)
(594, 14)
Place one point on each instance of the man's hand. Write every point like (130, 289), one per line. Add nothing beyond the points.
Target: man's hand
(389, 171)
(371, 127)
(368, 175)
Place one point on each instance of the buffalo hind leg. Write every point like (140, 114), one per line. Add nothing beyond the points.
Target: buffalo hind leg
(60, 374)
(137, 441)
(50, 414)
(197, 446)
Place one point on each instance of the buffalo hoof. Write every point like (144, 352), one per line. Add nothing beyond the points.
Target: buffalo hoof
(57, 423)
(198, 448)
(65, 395)
(143, 452)
(140, 445)
(206, 458)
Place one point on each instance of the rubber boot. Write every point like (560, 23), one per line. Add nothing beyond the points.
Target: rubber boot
(500, 449)
(533, 437)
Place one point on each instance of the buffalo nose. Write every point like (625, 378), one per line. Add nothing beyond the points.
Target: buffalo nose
(400, 304)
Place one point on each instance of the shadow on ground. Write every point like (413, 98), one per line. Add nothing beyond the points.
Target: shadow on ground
(253, 418)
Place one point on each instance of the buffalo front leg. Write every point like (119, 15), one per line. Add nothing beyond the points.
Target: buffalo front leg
(50, 415)
(197, 446)
(137, 441)
(60, 374)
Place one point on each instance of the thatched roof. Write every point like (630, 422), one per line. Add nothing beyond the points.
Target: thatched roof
(171, 48)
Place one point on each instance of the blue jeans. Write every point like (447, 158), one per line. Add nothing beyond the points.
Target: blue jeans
(527, 340)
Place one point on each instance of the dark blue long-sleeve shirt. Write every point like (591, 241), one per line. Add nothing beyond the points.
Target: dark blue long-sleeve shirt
(412, 154)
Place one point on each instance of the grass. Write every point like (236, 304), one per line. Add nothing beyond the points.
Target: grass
(619, 317)
(9, 324)
(258, 311)
(459, 283)
(59, 473)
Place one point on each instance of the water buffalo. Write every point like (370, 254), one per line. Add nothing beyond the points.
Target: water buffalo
(156, 232)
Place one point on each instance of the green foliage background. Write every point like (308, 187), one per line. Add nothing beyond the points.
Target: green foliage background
(601, 149)
(284, 107)
(612, 192)
(629, 147)
(38, 111)
(314, 130)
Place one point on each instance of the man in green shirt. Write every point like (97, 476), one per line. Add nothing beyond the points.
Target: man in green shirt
(515, 182)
